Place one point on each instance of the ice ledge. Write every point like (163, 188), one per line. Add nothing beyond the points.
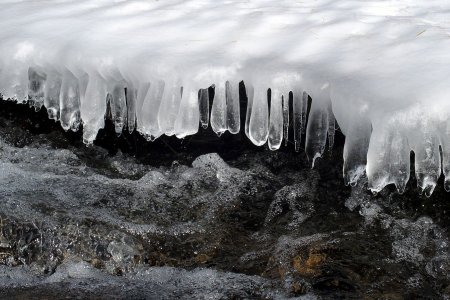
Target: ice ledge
(379, 67)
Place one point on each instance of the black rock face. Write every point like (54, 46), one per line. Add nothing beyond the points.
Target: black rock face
(203, 217)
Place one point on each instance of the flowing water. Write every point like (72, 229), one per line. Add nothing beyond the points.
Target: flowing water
(203, 218)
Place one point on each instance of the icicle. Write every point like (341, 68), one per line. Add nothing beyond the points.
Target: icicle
(305, 98)
(233, 109)
(51, 98)
(331, 128)
(93, 109)
(203, 99)
(142, 91)
(427, 161)
(169, 108)
(316, 131)
(285, 103)
(14, 83)
(36, 88)
(151, 107)
(188, 115)
(445, 144)
(219, 110)
(355, 150)
(388, 157)
(399, 166)
(276, 120)
(259, 118)
(118, 106)
(249, 90)
(298, 117)
(69, 102)
(131, 99)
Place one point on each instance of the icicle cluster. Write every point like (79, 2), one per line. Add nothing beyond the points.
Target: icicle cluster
(380, 67)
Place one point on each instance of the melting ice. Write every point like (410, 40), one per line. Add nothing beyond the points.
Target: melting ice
(379, 67)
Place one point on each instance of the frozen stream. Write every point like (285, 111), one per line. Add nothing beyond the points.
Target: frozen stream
(178, 221)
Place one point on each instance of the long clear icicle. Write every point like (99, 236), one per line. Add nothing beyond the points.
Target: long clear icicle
(142, 91)
(233, 109)
(331, 127)
(298, 117)
(188, 116)
(150, 126)
(203, 103)
(285, 103)
(445, 144)
(276, 120)
(317, 129)
(118, 106)
(259, 118)
(219, 110)
(131, 101)
(249, 90)
(388, 157)
(36, 88)
(69, 102)
(51, 98)
(169, 108)
(305, 98)
(355, 149)
(427, 160)
(93, 109)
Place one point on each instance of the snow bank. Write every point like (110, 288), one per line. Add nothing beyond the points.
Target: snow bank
(379, 67)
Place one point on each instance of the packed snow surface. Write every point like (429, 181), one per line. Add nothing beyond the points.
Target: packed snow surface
(379, 67)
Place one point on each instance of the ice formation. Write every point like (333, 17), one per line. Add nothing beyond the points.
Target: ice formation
(379, 67)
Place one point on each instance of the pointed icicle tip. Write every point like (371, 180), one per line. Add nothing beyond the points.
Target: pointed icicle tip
(316, 156)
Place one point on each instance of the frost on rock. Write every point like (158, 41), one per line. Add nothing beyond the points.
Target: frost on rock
(379, 68)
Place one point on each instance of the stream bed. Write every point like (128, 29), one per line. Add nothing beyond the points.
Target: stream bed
(204, 218)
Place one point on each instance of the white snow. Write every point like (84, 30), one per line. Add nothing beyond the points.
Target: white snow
(380, 67)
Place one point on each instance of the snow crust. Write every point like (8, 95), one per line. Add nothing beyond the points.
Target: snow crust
(379, 67)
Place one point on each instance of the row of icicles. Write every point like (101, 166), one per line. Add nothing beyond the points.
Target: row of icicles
(150, 109)
(170, 108)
